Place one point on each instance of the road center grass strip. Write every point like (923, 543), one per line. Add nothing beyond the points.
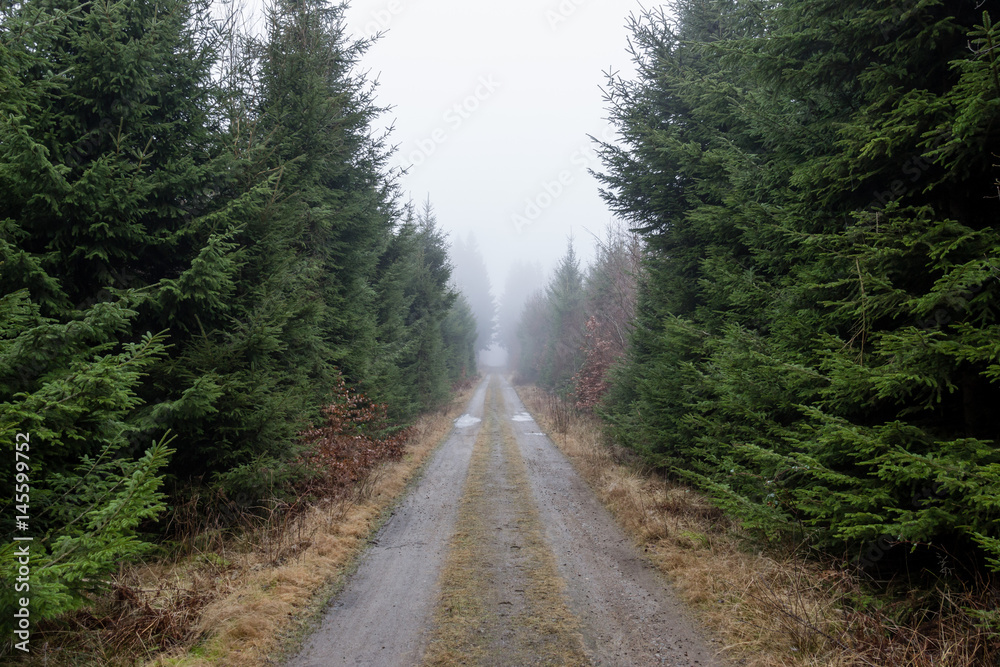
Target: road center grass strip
(502, 600)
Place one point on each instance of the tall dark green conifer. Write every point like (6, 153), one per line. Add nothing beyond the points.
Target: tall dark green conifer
(426, 331)
(813, 181)
(106, 151)
(909, 278)
(317, 110)
(432, 300)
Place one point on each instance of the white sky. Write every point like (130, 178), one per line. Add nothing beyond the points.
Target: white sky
(492, 103)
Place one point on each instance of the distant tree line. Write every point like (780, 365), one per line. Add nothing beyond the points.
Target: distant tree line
(523, 280)
(572, 332)
(471, 275)
(200, 239)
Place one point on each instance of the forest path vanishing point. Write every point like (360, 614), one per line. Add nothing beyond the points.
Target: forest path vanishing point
(502, 555)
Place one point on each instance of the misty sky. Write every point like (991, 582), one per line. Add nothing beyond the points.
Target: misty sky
(493, 102)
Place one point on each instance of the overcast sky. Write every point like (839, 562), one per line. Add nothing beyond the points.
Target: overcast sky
(492, 104)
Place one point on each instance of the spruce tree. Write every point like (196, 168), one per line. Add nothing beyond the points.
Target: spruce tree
(562, 357)
(426, 331)
(317, 111)
(472, 279)
(107, 154)
(812, 180)
(433, 299)
(551, 329)
(460, 332)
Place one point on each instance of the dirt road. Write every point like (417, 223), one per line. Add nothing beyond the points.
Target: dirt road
(501, 555)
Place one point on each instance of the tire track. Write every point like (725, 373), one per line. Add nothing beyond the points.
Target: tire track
(502, 600)
(628, 613)
(502, 555)
(381, 616)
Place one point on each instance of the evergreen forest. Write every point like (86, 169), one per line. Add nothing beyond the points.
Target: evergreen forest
(202, 254)
(210, 279)
(814, 339)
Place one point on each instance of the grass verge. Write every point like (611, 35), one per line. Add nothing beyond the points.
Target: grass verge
(272, 607)
(249, 599)
(769, 607)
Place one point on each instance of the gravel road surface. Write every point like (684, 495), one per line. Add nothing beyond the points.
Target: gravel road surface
(381, 616)
(621, 605)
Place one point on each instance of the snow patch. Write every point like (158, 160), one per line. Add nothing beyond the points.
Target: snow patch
(466, 420)
(522, 417)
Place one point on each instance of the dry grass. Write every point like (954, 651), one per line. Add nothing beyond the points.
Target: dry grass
(282, 581)
(500, 603)
(768, 609)
(248, 599)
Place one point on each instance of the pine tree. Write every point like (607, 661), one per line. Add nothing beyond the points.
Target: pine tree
(318, 111)
(671, 180)
(426, 330)
(433, 300)
(910, 287)
(195, 226)
(812, 179)
(306, 288)
(460, 332)
(472, 279)
(551, 330)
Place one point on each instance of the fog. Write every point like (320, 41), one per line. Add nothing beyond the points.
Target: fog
(492, 107)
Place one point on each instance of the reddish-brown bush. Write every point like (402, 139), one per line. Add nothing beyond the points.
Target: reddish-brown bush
(354, 439)
(592, 381)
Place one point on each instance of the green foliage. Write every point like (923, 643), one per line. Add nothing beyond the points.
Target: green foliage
(104, 502)
(87, 493)
(427, 331)
(161, 172)
(551, 331)
(461, 332)
(815, 342)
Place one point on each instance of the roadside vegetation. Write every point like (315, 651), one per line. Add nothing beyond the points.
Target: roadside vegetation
(795, 335)
(768, 603)
(220, 324)
(214, 305)
(247, 592)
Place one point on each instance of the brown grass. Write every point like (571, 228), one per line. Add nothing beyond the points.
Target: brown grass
(768, 608)
(283, 585)
(477, 622)
(244, 599)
